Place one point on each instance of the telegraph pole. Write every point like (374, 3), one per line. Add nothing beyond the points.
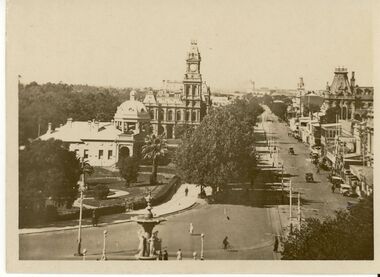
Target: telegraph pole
(299, 212)
(290, 205)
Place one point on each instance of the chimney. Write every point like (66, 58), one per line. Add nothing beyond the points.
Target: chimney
(132, 95)
(96, 126)
(49, 130)
(70, 122)
(353, 79)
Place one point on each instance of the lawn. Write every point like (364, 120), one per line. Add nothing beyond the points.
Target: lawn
(136, 190)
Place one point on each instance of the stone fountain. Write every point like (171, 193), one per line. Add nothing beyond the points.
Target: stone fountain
(149, 241)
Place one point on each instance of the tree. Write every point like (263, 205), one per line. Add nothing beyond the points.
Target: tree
(348, 236)
(101, 191)
(47, 169)
(279, 109)
(155, 147)
(221, 148)
(332, 114)
(128, 168)
(313, 108)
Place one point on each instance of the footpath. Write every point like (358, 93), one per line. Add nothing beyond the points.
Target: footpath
(266, 171)
(178, 203)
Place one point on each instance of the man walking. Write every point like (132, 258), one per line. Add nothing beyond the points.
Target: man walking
(186, 191)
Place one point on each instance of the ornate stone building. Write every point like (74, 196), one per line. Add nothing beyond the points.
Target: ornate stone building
(102, 143)
(180, 103)
(350, 98)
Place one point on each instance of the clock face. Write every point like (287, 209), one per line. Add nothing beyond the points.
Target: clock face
(193, 67)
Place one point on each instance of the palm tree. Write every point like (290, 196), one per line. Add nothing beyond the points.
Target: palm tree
(154, 148)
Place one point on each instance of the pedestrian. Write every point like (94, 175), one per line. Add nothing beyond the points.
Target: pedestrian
(275, 246)
(94, 218)
(225, 243)
(179, 254)
(333, 189)
(166, 256)
(186, 191)
(159, 255)
(191, 229)
(194, 255)
(318, 168)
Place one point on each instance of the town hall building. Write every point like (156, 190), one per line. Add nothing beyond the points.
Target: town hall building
(180, 103)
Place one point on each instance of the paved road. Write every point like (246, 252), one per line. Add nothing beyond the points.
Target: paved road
(249, 230)
(316, 198)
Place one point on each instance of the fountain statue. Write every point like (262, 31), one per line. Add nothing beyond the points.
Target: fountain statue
(149, 243)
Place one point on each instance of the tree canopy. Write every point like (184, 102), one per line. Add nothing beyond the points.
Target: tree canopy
(221, 149)
(47, 170)
(155, 147)
(128, 168)
(348, 236)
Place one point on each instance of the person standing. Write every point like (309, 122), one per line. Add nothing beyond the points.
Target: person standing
(159, 255)
(225, 243)
(94, 218)
(186, 191)
(179, 254)
(191, 229)
(166, 256)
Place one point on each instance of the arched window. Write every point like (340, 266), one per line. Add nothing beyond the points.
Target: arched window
(170, 115)
(178, 115)
(344, 112)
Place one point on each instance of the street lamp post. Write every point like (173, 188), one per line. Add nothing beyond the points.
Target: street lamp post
(104, 258)
(290, 205)
(82, 186)
(282, 182)
(202, 244)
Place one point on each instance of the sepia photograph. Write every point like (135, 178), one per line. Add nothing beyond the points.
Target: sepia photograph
(190, 131)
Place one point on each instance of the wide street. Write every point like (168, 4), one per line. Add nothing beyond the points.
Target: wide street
(250, 217)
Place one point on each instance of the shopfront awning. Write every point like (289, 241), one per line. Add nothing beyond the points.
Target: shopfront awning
(364, 173)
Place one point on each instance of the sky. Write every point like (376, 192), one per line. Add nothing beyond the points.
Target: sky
(139, 43)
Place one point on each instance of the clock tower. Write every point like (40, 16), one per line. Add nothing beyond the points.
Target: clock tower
(193, 78)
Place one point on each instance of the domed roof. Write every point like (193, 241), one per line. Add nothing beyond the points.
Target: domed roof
(132, 109)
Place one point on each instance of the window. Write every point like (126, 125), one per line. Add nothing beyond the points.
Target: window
(178, 115)
(100, 154)
(170, 115)
(161, 115)
(188, 116)
(109, 154)
(194, 116)
(85, 154)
